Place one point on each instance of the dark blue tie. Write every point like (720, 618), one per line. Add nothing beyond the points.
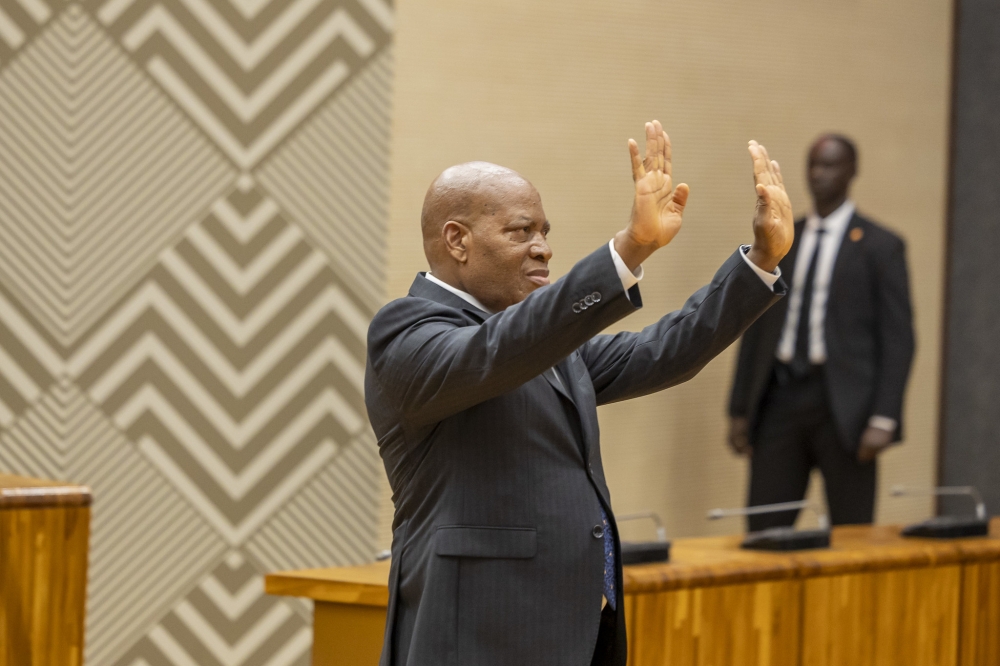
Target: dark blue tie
(609, 561)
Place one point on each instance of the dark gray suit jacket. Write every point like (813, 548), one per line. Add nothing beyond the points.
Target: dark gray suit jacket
(496, 468)
(868, 331)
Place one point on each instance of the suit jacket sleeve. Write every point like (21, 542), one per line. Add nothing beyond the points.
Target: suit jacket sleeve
(431, 363)
(680, 344)
(894, 331)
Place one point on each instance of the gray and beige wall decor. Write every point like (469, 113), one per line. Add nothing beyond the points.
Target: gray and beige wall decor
(193, 205)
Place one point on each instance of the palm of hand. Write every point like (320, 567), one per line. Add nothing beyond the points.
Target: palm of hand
(774, 225)
(659, 207)
(656, 207)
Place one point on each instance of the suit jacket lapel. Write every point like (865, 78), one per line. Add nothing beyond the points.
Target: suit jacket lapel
(560, 386)
(849, 246)
(788, 263)
(573, 369)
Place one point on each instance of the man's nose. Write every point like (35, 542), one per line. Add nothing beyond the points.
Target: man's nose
(540, 250)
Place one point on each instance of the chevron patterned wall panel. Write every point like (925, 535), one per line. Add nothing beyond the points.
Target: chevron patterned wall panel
(193, 201)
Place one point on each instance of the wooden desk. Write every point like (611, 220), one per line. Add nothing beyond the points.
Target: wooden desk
(873, 598)
(44, 533)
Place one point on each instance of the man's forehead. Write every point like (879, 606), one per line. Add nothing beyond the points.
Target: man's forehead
(828, 148)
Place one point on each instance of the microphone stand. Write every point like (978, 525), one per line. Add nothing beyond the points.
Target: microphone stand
(781, 538)
(643, 552)
(947, 527)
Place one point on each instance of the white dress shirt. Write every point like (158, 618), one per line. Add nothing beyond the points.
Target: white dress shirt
(834, 227)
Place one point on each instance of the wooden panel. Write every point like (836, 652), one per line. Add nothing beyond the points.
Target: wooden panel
(873, 598)
(979, 642)
(18, 491)
(347, 635)
(367, 584)
(908, 616)
(737, 625)
(854, 549)
(43, 581)
(697, 562)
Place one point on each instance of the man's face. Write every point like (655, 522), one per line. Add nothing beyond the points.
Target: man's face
(830, 170)
(508, 254)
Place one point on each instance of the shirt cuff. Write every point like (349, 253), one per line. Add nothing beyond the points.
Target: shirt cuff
(768, 278)
(883, 423)
(629, 279)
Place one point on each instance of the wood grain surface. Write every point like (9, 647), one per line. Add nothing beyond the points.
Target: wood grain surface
(347, 635)
(750, 624)
(873, 598)
(18, 491)
(363, 585)
(43, 582)
(979, 633)
(908, 616)
(854, 549)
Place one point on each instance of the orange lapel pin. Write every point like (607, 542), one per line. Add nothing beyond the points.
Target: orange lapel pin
(857, 233)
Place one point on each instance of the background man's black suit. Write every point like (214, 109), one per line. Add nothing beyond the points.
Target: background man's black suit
(495, 464)
(817, 422)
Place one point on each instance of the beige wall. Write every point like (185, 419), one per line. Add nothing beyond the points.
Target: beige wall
(554, 89)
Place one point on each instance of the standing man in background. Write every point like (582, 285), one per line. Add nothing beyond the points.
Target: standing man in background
(821, 375)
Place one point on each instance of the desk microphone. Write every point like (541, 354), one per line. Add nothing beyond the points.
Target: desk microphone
(947, 527)
(781, 538)
(642, 552)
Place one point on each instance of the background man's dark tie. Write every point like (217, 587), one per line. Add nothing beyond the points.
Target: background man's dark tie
(800, 364)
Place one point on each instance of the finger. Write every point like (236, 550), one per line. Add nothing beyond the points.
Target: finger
(667, 155)
(777, 172)
(637, 169)
(681, 193)
(763, 195)
(652, 147)
(658, 129)
(767, 163)
(760, 170)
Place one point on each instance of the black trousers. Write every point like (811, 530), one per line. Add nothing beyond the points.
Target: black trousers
(794, 434)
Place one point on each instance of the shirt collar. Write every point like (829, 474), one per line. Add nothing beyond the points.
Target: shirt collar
(836, 222)
(465, 296)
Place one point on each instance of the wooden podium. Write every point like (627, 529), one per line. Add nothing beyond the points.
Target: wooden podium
(44, 533)
(872, 599)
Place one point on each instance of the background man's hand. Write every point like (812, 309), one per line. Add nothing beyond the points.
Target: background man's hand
(739, 435)
(658, 206)
(873, 442)
(773, 224)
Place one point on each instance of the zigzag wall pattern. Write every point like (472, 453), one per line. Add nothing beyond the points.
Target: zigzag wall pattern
(249, 83)
(19, 22)
(192, 197)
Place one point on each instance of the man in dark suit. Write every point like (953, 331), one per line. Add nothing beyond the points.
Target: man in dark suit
(820, 377)
(482, 387)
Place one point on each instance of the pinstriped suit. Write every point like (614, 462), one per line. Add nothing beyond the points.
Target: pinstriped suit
(495, 466)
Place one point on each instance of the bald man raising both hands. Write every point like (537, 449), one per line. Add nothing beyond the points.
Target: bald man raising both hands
(482, 386)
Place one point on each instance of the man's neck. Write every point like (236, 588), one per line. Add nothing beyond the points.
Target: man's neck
(825, 209)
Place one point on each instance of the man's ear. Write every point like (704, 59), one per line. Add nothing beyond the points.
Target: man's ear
(456, 236)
